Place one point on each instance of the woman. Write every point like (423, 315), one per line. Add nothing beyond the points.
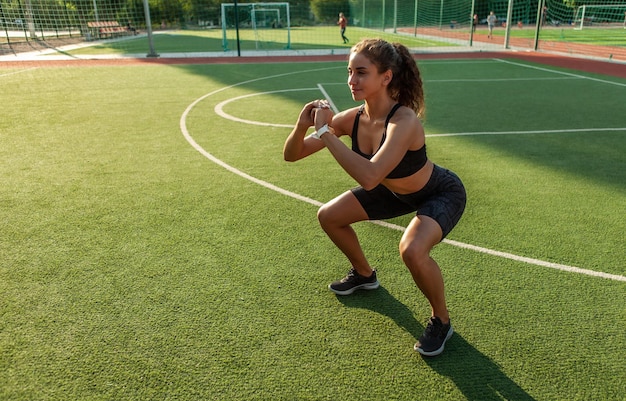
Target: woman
(388, 160)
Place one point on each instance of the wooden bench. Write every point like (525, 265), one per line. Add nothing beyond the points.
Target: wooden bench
(106, 29)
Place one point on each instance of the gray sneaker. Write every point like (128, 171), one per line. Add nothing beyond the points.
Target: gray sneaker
(354, 281)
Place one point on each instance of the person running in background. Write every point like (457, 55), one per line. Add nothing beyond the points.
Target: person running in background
(491, 23)
(388, 160)
(343, 23)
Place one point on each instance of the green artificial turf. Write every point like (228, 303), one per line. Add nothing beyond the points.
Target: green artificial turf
(132, 267)
(299, 39)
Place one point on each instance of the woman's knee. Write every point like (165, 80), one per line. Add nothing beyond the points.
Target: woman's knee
(341, 211)
(418, 240)
(324, 214)
(330, 215)
(413, 253)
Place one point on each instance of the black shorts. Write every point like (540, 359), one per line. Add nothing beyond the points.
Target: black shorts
(442, 199)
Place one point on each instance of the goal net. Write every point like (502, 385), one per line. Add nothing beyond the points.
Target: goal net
(265, 25)
(28, 25)
(600, 15)
(413, 16)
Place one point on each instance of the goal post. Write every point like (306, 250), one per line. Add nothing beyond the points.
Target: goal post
(603, 15)
(265, 17)
(266, 25)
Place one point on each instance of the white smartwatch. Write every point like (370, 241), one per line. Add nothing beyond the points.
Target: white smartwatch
(318, 134)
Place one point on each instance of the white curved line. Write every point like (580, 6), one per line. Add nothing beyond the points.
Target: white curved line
(557, 266)
(195, 145)
(219, 108)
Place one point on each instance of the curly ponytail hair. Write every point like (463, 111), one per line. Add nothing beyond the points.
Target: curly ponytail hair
(406, 85)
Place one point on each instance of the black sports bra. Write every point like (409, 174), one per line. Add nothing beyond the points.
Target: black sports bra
(412, 161)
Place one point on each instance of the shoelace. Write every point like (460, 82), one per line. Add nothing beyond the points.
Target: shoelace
(352, 273)
(434, 328)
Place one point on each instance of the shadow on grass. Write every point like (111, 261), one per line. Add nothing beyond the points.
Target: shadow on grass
(184, 42)
(474, 374)
(297, 38)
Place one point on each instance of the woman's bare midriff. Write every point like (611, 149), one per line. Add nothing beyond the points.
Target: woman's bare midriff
(412, 183)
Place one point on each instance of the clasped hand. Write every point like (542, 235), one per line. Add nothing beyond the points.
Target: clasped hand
(316, 113)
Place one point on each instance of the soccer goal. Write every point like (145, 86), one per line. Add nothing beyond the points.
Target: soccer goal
(267, 25)
(600, 15)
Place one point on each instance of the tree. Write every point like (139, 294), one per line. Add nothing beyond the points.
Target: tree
(327, 10)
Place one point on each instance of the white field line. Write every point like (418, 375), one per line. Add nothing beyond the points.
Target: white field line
(478, 80)
(569, 74)
(558, 266)
(497, 79)
(219, 111)
(18, 72)
(219, 108)
(327, 97)
(550, 131)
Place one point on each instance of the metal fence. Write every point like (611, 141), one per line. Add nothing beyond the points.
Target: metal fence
(169, 26)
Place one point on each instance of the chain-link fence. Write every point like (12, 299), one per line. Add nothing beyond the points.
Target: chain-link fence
(211, 28)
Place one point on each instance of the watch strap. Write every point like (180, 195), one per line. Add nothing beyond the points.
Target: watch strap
(323, 129)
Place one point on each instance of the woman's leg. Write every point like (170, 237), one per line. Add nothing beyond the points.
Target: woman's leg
(422, 234)
(335, 217)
